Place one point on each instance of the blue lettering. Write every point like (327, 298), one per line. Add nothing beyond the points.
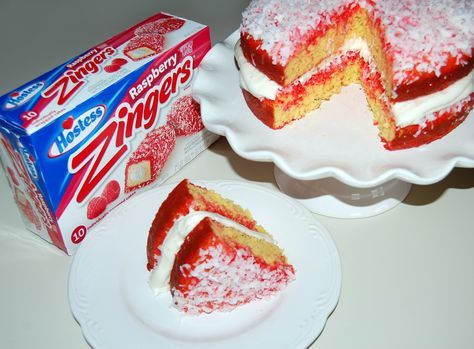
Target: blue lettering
(87, 121)
(70, 136)
(99, 111)
(64, 139)
(61, 142)
(77, 131)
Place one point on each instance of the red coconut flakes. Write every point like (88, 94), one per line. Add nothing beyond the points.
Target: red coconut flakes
(223, 279)
(185, 116)
(160, 26)
(420, 35)
(144, 45)
(147, 161)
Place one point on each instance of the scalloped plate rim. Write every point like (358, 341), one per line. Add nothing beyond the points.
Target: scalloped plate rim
(203, 89)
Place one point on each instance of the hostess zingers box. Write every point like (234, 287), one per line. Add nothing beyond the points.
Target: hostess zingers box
(114, 121)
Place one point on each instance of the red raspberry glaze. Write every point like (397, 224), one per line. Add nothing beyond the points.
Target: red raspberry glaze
(426, 83)
(201, 237)
(176, 204)
(179, 203)
(207, 287)
(410, 136)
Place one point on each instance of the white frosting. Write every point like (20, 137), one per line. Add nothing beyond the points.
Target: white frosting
(406, 113)
(160, 276)
(409, 112)
(261, 86)
(252, 80)
(358, 45)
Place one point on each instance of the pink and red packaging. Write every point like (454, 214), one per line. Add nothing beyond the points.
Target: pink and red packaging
(112, 122)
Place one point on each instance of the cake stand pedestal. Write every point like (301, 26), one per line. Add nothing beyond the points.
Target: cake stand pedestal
(330, 197)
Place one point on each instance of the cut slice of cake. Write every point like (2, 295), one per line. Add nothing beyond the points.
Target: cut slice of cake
(211, 254)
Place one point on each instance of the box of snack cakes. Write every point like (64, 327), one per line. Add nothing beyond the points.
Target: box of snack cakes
(108, 124)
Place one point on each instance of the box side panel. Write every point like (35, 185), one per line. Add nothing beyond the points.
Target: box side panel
(25, 179)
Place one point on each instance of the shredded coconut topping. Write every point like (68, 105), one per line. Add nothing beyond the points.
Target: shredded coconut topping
(221, 281)
(421, 35)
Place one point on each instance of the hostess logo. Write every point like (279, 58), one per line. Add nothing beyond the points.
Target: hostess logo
(20, 97)
(75, 130)
(29, 161)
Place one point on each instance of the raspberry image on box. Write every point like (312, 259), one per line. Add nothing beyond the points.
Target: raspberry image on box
(96, 207)
(161, 26)
(185, 116)
(148, 159)
(111, 191)
(112, 68)
(119, 61)
(115, 65)
(144, 46)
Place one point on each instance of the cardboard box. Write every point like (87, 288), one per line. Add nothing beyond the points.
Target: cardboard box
(109, 123)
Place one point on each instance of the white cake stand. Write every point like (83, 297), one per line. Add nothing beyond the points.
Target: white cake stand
(332, 160)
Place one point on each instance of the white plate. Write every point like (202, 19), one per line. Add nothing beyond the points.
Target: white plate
(338, 140)
(110, 297)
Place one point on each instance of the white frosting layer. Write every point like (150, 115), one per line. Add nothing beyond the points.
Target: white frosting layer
(261, 86)
(411, 111)
(252, 80)
(160, 276)
(406, 113)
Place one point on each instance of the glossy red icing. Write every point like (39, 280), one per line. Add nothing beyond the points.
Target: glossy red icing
(201, 237)
(412, 136)
(261, 59)
(176, 204)
(425, 84)
(179, 203)
(406, 137)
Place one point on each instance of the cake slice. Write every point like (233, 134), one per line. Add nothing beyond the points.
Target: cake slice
(211, 254)
(143, 46)
(147, 161)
